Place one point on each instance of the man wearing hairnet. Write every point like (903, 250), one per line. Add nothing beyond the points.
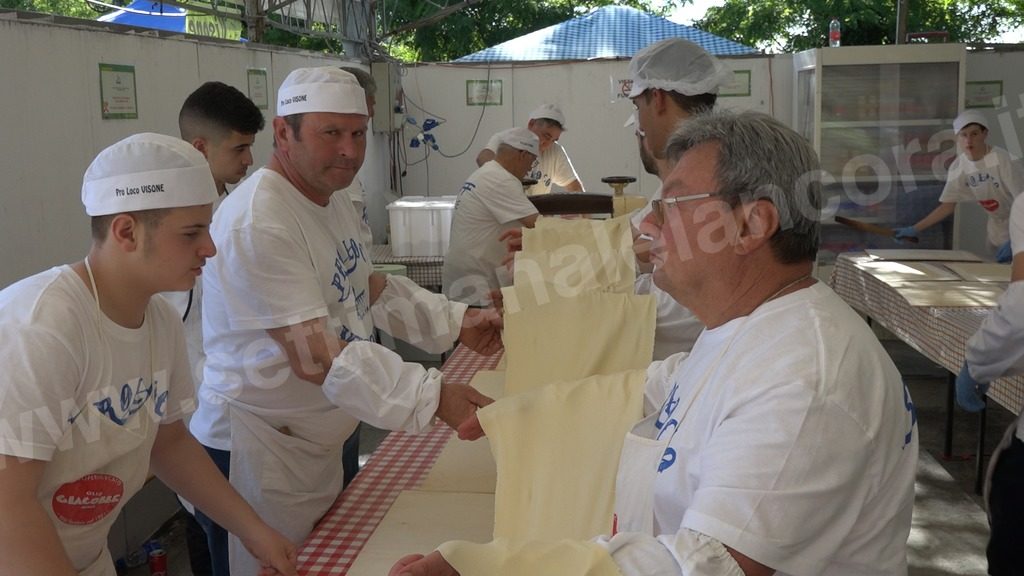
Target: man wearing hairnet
(671, 81)
(490, 203)
(289, 309)
(552, 165)
(735, 471)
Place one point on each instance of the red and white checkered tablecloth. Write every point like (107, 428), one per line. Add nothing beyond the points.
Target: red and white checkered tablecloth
(400, 463)
(939, 333)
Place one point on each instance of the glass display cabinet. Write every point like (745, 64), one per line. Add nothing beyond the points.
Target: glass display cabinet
(880, 118)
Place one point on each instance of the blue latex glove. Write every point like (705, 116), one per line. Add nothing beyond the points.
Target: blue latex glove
(970, 394)
(906, 232)
(1004, 254)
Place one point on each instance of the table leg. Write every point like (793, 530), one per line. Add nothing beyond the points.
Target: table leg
(947, 447)
(979, 462)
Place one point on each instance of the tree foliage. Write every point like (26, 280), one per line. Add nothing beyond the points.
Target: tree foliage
(791, 25)
(483, 24)
(73, 8)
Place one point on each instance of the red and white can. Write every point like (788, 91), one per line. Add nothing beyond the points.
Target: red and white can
(158, 562)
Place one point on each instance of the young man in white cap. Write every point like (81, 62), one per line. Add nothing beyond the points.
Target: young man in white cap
(490, 203)
(96, 376)
(289, 308)
(982, 173)
(552, 165)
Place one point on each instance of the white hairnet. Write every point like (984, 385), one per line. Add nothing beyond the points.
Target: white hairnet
(679, 66)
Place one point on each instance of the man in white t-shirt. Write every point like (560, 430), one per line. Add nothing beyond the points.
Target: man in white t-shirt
(552, 165)
(735, 469)
(221, 122)
(671, 81)
(491, 202)
(96, 378)
(289, 308)
(981, 173)
(994, 351)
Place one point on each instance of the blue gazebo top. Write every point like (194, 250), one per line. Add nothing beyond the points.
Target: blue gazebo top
(608, 32)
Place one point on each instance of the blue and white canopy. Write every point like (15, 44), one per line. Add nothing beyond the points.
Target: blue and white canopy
(608, 32)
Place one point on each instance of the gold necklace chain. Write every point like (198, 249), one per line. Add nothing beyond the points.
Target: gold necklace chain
(787, 287)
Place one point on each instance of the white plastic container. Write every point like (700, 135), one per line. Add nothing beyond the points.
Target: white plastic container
(421, 225)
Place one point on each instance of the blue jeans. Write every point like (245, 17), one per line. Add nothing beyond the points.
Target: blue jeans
(217, 537)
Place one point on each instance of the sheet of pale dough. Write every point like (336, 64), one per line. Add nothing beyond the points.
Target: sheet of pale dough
(594, 333)
(504, 558)
(557, 450)
(982, 271)
(951, 294)
(936, 255)
(467, 466)
(892, 271)
(420, 521)
(570, 257)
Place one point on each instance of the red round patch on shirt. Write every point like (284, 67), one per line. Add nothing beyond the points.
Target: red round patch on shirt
(991, 204)
(88, 499)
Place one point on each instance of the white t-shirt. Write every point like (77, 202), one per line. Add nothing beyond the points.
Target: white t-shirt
(80, 393)
(799, 452)
(997, 348)
(491, 201)
(676, 328)
(552, 166)
(282, 260)
(994, 181)
(357, 194)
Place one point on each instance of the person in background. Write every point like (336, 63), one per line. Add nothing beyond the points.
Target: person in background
(552, 165)
(994, 351)
(96, 376)
(490, 203)
(355, 191)
(289, 307)
(671, 81)
(733, 471)
(982, 173)
(221, 122)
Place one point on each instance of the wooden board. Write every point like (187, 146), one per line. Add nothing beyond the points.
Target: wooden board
(890, 271)
(950, 294)
(419, 522)
(934, 255)
(468, 466)
(982, 271)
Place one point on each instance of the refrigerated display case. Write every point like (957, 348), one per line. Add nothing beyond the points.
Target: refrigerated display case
(880, 118)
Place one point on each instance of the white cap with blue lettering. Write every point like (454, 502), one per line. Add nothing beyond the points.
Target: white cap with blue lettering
(321, 89)
(147, 172)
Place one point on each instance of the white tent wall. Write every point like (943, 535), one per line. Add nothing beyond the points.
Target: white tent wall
(52, 127)
(597, 142)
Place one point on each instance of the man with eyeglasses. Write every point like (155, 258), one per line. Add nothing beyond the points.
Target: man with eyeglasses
(784, 442)
(552, 165)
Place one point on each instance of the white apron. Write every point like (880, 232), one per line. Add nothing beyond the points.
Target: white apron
(290, 481)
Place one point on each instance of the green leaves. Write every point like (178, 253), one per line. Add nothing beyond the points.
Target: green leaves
(792, 25)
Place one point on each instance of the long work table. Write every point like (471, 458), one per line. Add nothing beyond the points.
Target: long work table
(891, 294)
(400, 462)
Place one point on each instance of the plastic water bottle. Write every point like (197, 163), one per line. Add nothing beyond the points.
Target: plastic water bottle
(834, 33)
